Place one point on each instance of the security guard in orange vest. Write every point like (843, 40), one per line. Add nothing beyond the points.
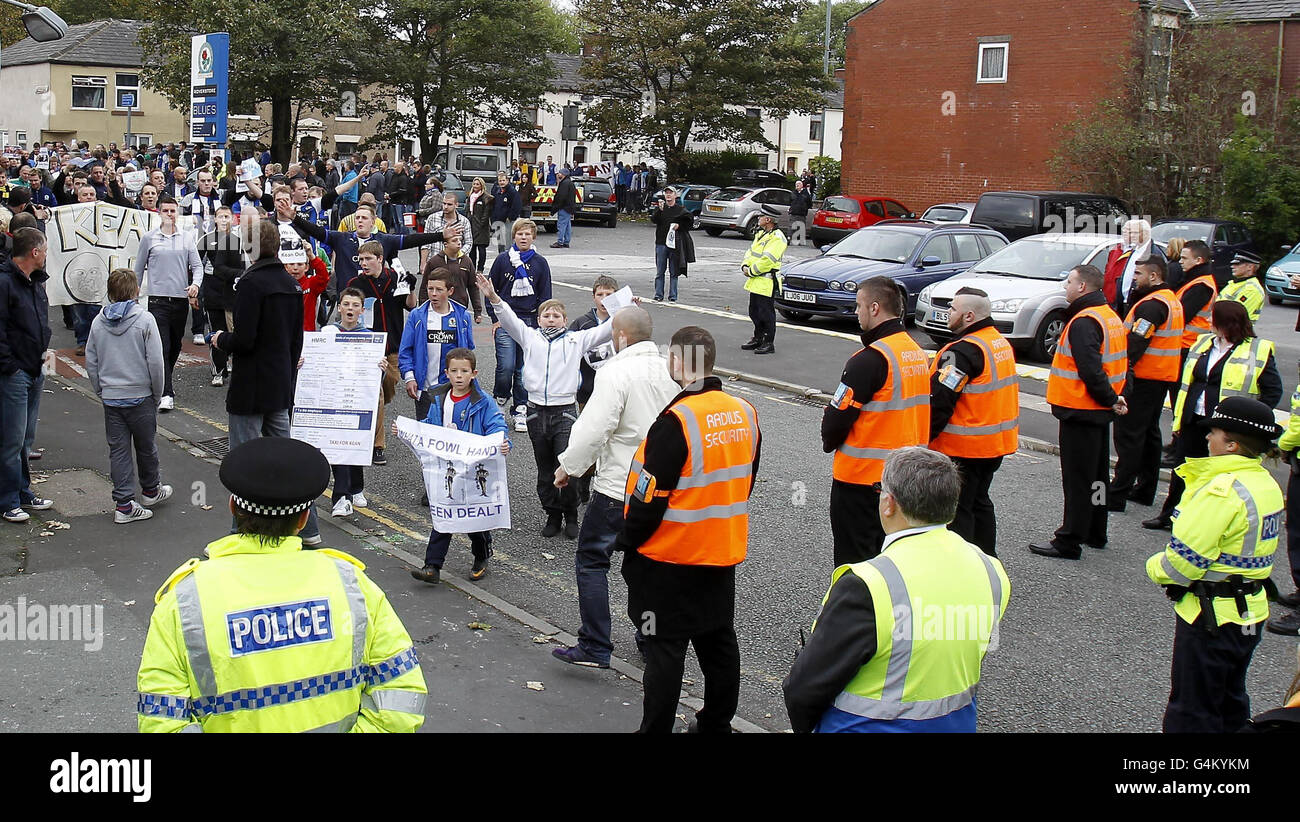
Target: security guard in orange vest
(1155, 333)
(686, 528)
(882, 404)
(1199, 291)
(1085, 390)
(975, 411)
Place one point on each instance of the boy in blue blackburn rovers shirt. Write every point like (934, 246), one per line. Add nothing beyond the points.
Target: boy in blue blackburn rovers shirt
(461, 404)
(432, 331)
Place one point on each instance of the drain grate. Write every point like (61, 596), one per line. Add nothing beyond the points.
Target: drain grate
(808, 401)
(219, 447)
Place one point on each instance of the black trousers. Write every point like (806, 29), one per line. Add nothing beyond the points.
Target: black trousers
(196, 320)
(1293, 525)
(976, 521)
(548, 428)
(1085, 476)
(855, 522)
(220, 359)
(170, 314)
(762, 310)
(665, 661)
(1208, 678)
(1137, 443)
(1190, 443)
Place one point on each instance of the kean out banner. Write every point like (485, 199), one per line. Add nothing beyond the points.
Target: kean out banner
(86, 242)
(465, 475)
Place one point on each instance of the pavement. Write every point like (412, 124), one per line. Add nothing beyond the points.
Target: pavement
(1085, 646)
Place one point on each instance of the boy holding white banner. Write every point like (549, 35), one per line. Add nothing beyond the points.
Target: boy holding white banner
(461, 404)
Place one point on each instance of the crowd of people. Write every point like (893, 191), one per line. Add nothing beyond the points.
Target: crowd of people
(661, 456)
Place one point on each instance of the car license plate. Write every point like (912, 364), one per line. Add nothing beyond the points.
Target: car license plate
(834, 220)
(940, 316)
(714, 208)
(591, 209)
(796, 297)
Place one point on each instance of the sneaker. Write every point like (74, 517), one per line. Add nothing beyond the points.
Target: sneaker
(521, 410)
(428, 574)
(198, 339)
(521, 425)
(1285, 624)
(81, 351)
(359, 500)
(379, 458)
(164, 492)
(166, 404)
(342, 507)
(218, 380)
(311, 540)
(136, 514)
(479, 568)
(577, 656)
(552, 526)
(17, 515)
(38, 504)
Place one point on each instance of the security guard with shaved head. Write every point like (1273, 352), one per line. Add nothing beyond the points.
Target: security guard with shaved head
(975, 411)
(265, 636)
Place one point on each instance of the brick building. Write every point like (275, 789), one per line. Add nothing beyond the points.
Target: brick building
(946, 99)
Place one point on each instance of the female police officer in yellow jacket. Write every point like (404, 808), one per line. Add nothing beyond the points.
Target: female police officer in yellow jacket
(1215, 568)
(265, 636)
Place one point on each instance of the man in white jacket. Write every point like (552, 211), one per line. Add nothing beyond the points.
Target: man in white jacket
(632, 387)
(552, 373)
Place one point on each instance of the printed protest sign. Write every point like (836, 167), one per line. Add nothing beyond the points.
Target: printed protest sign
(86, 242)
(464, 474)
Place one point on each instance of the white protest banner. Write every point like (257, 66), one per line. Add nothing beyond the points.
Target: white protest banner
(86, 242)
(616, 302)
(134, 181)
(465, 475)
(605, 169)
(250, 169)
(337, 395)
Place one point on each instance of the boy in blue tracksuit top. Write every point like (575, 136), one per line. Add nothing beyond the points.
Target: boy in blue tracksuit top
(432, 331)
(460, 403)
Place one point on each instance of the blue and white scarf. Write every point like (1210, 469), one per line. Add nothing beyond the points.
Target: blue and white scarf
(519, 259)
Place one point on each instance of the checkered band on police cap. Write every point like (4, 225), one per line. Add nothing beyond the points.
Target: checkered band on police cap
(275, 476)
(1245, 415)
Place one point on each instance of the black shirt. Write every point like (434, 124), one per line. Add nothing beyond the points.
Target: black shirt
(665, 217)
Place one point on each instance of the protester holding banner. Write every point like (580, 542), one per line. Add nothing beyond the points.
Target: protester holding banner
(171, 273)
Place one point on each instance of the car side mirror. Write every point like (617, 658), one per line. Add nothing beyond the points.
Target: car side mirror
(927, 262)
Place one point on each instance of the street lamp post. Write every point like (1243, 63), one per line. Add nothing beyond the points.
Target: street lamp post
(41, 23)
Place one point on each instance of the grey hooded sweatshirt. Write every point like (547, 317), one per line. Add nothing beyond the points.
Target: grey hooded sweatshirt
(124, 353)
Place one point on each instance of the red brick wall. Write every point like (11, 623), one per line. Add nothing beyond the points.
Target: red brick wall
(903, 55)
(1264, 36)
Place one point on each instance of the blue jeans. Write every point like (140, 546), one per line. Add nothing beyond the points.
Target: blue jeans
(480, 543)
(665, 257)
(600, 527)
(20, 401)
(245, 427)
(399, 209)
(83, 314)
(509, 381)
(563, 227)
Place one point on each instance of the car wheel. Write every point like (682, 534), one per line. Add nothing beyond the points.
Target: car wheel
(1274, 300)
(794, 316)
(1048, 336)
(713, 231)
(751, 230)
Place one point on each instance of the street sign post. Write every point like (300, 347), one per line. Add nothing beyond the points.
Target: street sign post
(126, 100)
(209, 87)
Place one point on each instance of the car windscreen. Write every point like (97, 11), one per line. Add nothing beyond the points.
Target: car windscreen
(944, 214)
(877, 244)
(1000, 209)
(843, 205)
(730, 194)
(1034, 259)
(1187, 230)
(596, 190)
(477, 163)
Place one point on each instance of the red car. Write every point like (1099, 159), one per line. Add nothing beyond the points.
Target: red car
(843, 214)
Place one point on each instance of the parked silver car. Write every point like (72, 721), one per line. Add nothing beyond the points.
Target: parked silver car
(1026, 283)
(949, 213)
(736, 208)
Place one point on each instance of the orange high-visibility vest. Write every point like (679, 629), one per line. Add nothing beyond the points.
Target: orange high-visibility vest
(1165, 346)
(896, 416)
(707, 521)
(1200, 324)
(986, 420)
(1064, 388)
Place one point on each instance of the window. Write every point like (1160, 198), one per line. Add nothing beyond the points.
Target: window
(938, 247)
(780, 196)
(88, 92)
(968, 248)
(757, 114)
(873, 207)
(992, 63)
(20, 137)
(760, 161)
(1160, 54)
(895, 210)
(815, 129)
(532, 116)
(345, 149)
(127, 92)
(137, 140)
(579, 154)
(528, 155)
(992, 243)
(608, 156)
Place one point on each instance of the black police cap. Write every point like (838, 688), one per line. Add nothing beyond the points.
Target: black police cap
(1245, 415)
(274, 476)
(1243, 256)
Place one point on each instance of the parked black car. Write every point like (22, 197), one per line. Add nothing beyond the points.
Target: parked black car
(1224, 237)
(1017, 214)
(760, 178)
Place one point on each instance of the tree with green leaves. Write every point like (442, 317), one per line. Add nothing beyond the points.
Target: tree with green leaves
(810, 28)
(668, 71)
(291, 54)
(464, 66)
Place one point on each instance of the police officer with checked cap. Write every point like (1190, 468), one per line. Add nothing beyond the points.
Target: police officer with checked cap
(265, 636)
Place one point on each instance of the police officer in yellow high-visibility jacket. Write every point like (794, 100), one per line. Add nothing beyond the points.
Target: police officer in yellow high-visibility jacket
(1085, 390)
(1244, 286)
(762, 270)
(1215, 567)
(686, 528)
(265, 636)
(886, 653)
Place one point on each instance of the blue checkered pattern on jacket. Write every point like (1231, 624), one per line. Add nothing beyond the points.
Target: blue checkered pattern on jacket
(1188, 554)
